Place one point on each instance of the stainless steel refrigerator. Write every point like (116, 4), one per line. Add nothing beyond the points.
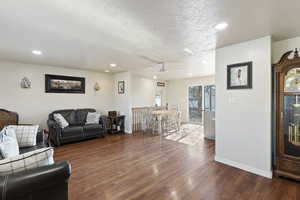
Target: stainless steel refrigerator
(209, 111)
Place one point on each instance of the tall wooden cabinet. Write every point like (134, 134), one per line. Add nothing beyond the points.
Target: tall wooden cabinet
(287, 140)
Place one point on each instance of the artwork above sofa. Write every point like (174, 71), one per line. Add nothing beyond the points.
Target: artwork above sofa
(77, 130)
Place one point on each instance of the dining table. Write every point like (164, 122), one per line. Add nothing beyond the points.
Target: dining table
(160, 115)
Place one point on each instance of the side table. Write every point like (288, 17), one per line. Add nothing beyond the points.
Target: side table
(115, 124)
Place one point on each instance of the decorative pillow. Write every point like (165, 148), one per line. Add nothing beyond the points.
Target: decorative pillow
(26, 135)
(61, 120)
(8, 143)
(26, 161)
(93, 118)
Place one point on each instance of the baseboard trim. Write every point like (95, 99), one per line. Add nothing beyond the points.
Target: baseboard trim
(264, 173)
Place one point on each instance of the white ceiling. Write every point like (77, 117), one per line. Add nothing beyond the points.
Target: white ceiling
(91, 34)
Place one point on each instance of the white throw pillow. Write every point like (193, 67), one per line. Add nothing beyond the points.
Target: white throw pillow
(93, 118)
(26, 161)
(60, 120)
(26, 135)
(8, 143)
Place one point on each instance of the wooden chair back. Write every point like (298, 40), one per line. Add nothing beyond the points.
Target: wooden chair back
(8, 118)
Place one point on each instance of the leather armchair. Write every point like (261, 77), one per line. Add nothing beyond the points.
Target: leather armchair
(47, 183)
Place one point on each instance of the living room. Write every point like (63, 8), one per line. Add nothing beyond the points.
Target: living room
(149, 100)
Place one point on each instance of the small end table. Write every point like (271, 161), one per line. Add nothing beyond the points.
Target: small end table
(116, 124)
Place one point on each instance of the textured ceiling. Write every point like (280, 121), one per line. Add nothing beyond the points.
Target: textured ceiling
(91, 34)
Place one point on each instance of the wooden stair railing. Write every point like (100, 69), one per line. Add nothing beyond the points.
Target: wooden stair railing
(139, 115)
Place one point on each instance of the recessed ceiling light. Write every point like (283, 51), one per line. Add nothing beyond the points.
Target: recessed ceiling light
(106, 71)
(113, 65)
(190, 74)
(187, 50)
(37, 52)
(204, 62)
(221, 26)
(155, 77)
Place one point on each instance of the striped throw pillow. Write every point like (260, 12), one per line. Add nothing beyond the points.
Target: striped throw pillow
(93, 118)
(27, 161)
(60, 120)
(26, 135)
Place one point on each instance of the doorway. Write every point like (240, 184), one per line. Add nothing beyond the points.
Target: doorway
(195, 104)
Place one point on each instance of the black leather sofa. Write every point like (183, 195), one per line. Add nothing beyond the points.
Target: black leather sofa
(77, 129)
(47, 182)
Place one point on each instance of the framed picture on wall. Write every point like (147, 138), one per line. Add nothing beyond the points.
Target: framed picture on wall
(121, 87)
(161, 84)
(239, 76)
(64, 84)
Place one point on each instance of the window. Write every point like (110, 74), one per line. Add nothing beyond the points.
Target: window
(195, 104)
(157, 100)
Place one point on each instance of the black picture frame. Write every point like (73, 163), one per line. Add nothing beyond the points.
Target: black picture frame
(64, 84)
(161, 84)
(248, 85)
(121, 87)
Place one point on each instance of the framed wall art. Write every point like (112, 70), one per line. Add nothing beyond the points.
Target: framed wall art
(121, 87)
(161, 84)
(239, 76)
(64, 84)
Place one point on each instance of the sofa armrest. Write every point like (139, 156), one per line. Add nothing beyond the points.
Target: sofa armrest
(52, 124)
(40, 137)
(54, 131)
(104, 121)
(35, 182)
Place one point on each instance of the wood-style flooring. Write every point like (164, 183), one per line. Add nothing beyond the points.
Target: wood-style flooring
(123, 167)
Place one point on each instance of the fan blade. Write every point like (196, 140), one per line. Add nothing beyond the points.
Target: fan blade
(149, 59)
(173, 61)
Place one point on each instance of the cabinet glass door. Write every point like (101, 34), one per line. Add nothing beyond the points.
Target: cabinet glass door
(292, 125)
(292, 112)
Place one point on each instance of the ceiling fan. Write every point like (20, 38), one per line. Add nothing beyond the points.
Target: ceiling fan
(161, 64)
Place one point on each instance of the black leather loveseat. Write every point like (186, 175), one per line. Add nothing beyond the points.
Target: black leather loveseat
(77, 129)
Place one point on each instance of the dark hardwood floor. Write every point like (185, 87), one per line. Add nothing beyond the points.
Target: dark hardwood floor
(138, 167)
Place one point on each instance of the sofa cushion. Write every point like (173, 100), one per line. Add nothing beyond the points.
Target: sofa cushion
(29, 149)
(72, 131)
(92, 130)
(60, 120)
(81, 115)
(8, 143)
(24, 162)
(93, 118)
(26, 134)
(69, 115)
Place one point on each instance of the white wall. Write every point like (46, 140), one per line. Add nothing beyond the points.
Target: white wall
(243, 117)
(177, 92)
(143, 91)
(123, 102)
(34, 105)
(281, 47)
(139, 92)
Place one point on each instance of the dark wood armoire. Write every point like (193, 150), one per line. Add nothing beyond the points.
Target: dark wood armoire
(287, 112)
